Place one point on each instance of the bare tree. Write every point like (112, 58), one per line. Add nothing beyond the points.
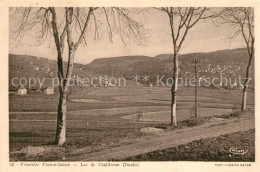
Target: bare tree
(74, 23)
(181, 21)
(242, 22)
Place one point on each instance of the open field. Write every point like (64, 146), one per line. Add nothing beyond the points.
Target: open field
(130, 96)
(106, 117)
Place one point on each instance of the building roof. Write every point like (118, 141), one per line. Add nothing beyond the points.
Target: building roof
(22, 87)
(49, 88)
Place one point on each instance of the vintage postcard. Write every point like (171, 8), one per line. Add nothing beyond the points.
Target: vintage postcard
(129, 85)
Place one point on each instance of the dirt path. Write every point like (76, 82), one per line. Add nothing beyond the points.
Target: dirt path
(166, 140)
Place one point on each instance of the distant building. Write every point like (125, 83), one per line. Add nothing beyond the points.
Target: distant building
(49, 91)
(106, 83)
(22, 90)
(36, 68)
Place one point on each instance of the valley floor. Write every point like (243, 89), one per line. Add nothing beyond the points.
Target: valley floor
(114, 123)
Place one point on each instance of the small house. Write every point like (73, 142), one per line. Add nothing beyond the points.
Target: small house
(22, 90)
(49, 91)
(36, 68)
(106, 83)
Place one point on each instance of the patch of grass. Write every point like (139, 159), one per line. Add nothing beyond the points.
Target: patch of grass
(211, 149)
(237, 114)
(91, 137)
(185, 123)
(36, 153)
(193, 122)
(202, 120)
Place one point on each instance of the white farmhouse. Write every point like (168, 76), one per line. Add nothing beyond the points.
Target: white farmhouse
(36, 68)
(22, 90)
(49, 91)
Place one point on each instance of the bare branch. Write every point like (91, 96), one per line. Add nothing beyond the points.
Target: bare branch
(241, 19)
(85, 28)
(186, 19)
(109, 27)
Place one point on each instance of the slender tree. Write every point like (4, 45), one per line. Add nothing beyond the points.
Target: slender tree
(196, 62)
(75, 24)
(241, 19)
(181, 21)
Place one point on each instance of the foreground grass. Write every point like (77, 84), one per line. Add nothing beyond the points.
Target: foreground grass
(211, 149)
(36, 144)
(193, 122)
(83, 136)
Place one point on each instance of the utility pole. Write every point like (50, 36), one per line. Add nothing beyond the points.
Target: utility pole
(196, 62)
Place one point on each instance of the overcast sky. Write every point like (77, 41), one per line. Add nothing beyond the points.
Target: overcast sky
(204, 37)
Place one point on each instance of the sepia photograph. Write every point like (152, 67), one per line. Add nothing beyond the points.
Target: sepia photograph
(115, 84)
(189, 96)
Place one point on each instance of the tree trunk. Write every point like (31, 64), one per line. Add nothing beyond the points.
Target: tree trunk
(174, 90)
(243, 107)
(196, 94)
(64, 83)
(61, 120)
(244, 99)
(62, 107)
